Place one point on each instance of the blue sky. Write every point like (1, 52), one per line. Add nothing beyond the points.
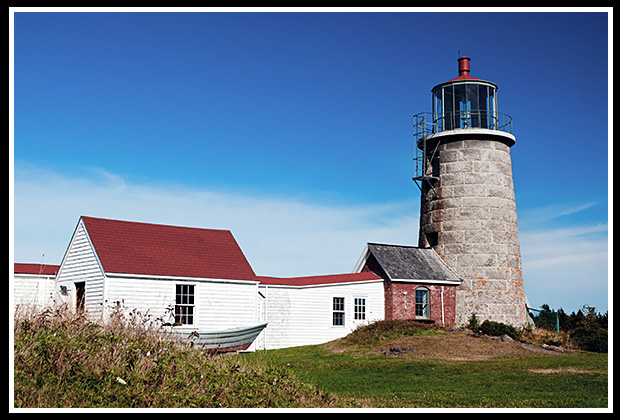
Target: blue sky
(294, 130)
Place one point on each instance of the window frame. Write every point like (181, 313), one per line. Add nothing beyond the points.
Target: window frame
(185, 304)
(426, 306)
(360, 308)
(338, 311)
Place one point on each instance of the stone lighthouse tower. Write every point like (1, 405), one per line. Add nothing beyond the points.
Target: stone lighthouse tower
(468, 213)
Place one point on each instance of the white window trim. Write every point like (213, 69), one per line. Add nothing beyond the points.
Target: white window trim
(365, 319)
(343, 311)
(428, 302)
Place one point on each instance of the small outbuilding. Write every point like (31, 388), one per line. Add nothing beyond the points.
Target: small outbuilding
(317, 309)
(34, 284)
(418, 284)
(191, 277)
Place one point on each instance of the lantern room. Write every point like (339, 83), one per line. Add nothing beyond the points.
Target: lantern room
(465, 108)
(465, 102)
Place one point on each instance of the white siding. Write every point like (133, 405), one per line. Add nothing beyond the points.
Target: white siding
(304, 315)
(147, 296)
(227, 304)
(33, 290)
(218, 303)
(80, 264)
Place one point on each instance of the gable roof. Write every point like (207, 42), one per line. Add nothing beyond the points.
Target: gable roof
(409, 263)
(42, 269)
(163, 250)
(319, 280)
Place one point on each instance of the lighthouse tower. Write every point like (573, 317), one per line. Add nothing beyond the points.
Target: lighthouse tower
(468, 213)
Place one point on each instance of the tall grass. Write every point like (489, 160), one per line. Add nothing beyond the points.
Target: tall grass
(63, 360)
(387, 330)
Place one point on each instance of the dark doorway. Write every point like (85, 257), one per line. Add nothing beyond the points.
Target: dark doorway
(80, 294)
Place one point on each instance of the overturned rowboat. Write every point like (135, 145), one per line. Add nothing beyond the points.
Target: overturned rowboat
(224, 341)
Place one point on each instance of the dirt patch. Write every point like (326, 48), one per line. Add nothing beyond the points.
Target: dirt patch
(397, 351)
(454, 347)
(447, 346)
(566, 370)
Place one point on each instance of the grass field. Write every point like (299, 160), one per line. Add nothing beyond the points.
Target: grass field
(62, 360)
(447, 369)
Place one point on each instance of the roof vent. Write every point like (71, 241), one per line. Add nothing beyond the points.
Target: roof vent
(464, 66)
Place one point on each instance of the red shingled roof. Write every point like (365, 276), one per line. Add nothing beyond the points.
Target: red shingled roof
(316, 280)
(45, 269)
(145, 248)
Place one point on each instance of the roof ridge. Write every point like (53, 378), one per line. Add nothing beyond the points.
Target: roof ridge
(319, 279)
(315, 275)
(399, 246)
(151, 223)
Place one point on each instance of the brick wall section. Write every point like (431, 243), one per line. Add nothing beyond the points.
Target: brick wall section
(403, 304)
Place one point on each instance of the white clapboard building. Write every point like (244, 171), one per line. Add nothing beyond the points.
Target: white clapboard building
(316, 309)
(199, 280)
(196, 279)
(34, 285)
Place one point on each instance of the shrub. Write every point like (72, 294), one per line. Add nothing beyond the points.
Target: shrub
(498, 328)
(590, 338)
(473, 324)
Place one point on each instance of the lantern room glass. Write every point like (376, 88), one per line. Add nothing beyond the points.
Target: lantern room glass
(465, 104)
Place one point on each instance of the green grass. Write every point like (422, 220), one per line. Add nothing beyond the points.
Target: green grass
(359, 376)
(62, 360)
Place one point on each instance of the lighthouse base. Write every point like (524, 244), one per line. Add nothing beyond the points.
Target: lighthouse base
(469, 217)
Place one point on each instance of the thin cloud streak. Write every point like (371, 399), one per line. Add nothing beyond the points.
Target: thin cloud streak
(287, 236)
(566, 267)
(279, 235)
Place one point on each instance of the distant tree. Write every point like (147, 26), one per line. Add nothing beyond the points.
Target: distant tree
(545, 319)
(586, 327)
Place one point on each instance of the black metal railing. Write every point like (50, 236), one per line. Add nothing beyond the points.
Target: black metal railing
(426, 124)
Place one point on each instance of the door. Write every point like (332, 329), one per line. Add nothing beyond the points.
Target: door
(80, 295)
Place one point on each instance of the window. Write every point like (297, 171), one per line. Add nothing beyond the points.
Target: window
(422, 303)
(338, 312)
(184, 305)
(432, 238)
(359, 309)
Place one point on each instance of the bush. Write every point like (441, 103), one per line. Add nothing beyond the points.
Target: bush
(473, 324)
(497, 328)
(590, 339)
(492, 328)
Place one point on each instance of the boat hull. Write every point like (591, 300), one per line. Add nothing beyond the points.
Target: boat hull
(223, 341)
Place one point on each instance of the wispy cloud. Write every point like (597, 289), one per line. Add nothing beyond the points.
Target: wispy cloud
(281, 236)
(566, 267)
(563, 265)
(536, 216)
